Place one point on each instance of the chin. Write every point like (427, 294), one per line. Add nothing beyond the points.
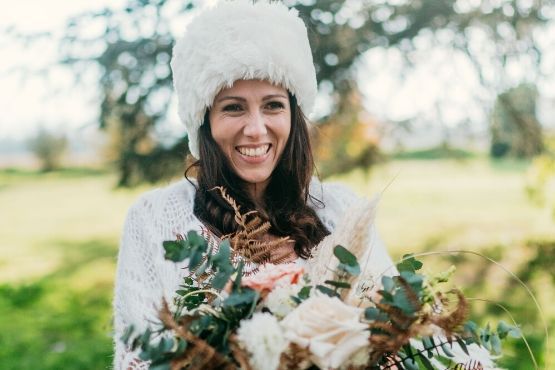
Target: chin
(254, 178)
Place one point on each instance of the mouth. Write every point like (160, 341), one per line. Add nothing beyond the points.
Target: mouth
(253, 151)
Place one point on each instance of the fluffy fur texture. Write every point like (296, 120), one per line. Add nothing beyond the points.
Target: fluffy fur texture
(237, 40)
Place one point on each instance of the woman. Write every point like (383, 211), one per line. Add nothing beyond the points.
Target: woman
(244, 78)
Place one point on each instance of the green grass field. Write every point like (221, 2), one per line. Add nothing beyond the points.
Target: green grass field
(59, 234)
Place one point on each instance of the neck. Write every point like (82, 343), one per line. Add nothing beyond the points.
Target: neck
(257, 191)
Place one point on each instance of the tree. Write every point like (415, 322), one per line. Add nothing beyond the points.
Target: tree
(136, 48)
(49, 149)
(515, 130)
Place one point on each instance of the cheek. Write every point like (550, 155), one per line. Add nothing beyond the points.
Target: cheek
(221, 132)
(284, 130)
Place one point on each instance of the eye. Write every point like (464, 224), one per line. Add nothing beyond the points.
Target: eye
(275, 105)
(232, 108)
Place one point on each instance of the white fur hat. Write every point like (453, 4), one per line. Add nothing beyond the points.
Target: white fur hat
(236, 40)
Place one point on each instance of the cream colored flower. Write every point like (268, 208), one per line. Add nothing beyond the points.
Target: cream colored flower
(358, 359)
(279, 300)
(263, 338)
(330, 329)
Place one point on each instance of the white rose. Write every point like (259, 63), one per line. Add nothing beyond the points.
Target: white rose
(263, 338)
(330, 329)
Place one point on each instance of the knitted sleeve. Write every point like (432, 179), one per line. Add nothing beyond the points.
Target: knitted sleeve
(136, 281)
(143, 276)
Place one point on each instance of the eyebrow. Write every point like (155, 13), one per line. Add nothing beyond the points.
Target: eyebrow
(267, 97)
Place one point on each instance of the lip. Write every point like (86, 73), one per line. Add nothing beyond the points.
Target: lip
(253, 160)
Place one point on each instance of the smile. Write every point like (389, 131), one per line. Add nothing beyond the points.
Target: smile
(257, 151)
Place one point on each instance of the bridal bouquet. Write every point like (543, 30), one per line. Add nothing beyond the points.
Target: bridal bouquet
(235, 309)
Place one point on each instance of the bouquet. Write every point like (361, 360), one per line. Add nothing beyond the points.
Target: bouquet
(238, 308)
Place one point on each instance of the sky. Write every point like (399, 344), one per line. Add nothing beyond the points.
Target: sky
(52, 103)
(33, 101)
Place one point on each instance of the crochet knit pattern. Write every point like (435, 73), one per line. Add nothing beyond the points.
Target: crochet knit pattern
(144, 276)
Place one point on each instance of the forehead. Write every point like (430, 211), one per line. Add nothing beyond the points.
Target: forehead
(246, 88)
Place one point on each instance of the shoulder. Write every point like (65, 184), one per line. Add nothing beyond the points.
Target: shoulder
(330, 194)
(330, 200)
(162, 199)
(165, 211)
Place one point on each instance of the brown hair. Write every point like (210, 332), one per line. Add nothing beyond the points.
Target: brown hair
(285, 198)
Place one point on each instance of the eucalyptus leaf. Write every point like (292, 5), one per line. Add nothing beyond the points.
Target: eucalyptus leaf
(410, 363)
(181, 345)
(175, 250)
(495, 344)
(222, 258)
(195, 258)
(237, 281)
(374, 314)
(245, 296)
(427, 364)
(327, 291)
(347, 261)
(337, 284)
(220, 279)
(344, 256)
(388, 283)
(461, 343)
(164, 366)
(195, 241)
(127, 334)
(445, 348)
(165, 344)
(304, 293)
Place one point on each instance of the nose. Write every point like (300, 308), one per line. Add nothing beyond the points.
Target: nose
(255, 125)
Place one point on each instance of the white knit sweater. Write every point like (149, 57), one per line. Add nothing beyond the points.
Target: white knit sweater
(144, 276)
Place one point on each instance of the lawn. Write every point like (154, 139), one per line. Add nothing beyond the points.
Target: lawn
(59, 236)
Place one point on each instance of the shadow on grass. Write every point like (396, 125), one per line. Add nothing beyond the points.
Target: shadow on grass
(78, 254)
(50, 324)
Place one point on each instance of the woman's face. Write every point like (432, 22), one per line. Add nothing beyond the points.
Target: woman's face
(250, 122)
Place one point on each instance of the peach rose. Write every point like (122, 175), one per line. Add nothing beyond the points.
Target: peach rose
(269, 275)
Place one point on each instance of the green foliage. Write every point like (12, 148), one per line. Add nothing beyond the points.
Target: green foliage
(347, 261)
(48, 148)
(409, 264)
(136, 86)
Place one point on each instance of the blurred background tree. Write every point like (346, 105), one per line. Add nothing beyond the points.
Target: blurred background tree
(49, 149)
(515, 129)
(133, 50)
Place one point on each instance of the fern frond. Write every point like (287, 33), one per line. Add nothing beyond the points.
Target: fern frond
(451, 319)
(296, 357)
(239, 354)
(199, 354)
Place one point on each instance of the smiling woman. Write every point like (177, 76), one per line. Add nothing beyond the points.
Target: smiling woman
(244, 77)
